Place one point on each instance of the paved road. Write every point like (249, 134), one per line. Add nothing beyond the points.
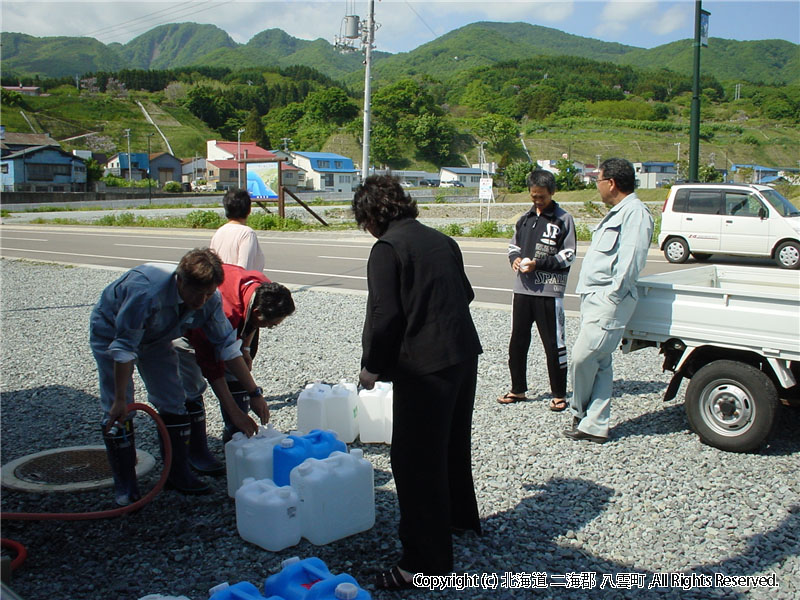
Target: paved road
(334, 260)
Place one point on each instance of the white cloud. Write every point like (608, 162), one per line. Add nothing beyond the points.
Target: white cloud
(674, 18)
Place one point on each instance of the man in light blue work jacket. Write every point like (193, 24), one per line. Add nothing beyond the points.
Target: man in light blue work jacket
(607, 286)
(133, 325)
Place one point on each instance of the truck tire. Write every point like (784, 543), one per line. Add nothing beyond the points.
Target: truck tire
(731, 405)
(787, 255)
(676, 250)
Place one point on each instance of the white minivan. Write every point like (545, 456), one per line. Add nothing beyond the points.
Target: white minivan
(701, 219)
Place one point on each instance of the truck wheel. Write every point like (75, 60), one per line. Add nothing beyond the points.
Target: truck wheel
(731, 405)
(700, 256)
(787, 255)
(676, 250)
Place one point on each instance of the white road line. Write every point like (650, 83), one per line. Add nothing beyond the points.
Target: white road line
(159, 247)
(364, 259)
(270, 271)
(137, 260)
(5, 237)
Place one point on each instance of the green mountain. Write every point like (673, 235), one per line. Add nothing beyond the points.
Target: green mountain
(767, 61)
(57, 56)
(475, 45)
(174, 45)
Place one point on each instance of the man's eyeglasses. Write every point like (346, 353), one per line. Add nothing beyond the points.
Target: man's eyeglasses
(604, 179)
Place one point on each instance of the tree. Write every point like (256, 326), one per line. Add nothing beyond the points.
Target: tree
(254, 130)
(501, 132)
(94, 170)
(568, 176)
(431, 134)
(708, 174)
(330, 104)
(516, 174)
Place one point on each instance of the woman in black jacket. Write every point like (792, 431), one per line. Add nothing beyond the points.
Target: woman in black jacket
(419, 334)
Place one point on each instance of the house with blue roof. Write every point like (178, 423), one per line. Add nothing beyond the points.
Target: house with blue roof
(467, 176)
(755, 173)
(326, 171)
(42, 169)
(654, 174)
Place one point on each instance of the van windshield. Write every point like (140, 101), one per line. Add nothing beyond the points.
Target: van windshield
(781, 204)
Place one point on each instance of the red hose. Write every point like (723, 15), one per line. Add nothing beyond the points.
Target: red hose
(103, 514)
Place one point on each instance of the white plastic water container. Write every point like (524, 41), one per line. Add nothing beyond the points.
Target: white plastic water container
(267, 515)
(250, 457)
(336, 496)
(311, 404)
(375, 414)
(342, 411)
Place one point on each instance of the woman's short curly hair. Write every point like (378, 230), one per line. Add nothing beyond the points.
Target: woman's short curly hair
(378, 201)
(273, 300)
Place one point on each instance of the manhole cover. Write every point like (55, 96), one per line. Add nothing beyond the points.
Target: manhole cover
(66, 469)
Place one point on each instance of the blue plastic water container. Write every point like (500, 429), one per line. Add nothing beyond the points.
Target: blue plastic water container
(297, 578)
(295, 449)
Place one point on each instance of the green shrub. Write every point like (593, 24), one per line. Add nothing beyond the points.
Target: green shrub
(126, 219)
(265, 221)
(172, 186)
(205, 219)
(452, 229)
(751, 139)
(488, 229)
(583, 232)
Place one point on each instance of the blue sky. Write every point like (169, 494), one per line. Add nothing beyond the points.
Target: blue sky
(404, 25)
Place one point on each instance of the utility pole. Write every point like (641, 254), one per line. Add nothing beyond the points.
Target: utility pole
(367, 33)
(149, 178)
(128, 134)
(700, 38)
(239, 158)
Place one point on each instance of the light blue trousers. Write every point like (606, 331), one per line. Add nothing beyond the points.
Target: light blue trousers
(601, 327)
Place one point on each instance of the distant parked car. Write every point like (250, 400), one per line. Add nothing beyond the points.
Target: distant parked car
(429, 182)
(406, 184)
(453, 183)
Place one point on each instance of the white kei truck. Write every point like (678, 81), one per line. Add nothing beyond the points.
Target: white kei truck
(734, 332)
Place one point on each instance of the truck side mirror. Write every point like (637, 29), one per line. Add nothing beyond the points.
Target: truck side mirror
(762, 213)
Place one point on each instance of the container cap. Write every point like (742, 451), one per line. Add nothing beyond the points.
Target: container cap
(287, 443)
(290, 561)
(218, 588)
(345, 591)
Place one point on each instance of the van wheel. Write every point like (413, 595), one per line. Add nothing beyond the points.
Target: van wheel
(788, 255)
(731, 405)
(676, 250)
(700, 257)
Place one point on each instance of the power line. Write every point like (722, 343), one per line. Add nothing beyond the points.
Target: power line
(420, 18)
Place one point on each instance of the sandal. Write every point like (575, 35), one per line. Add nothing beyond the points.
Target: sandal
(393, 580)
(510, 398)
(558, 404)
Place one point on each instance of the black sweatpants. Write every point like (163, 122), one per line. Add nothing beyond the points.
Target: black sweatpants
(548, 314)
(432, 464)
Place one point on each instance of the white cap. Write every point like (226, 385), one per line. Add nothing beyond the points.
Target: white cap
(345, 591)
(217, 588)
(290, 561)
(287, 443)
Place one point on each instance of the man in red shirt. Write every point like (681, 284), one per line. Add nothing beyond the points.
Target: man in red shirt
(250, 301)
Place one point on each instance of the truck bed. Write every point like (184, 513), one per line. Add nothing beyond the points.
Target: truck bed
(750, 308)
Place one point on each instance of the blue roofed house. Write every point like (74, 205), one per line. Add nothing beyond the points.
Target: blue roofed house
(653, 174)
(326, 171)
(467, 176)
(118, 165)
(753, 173)
(164, 167)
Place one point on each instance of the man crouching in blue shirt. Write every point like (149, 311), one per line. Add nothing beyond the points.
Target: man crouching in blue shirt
(134, 323)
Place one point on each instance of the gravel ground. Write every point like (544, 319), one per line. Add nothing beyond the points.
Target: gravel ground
(651, 501)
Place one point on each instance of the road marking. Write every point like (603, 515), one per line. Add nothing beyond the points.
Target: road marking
(363, 278)
(5, 237)
(159, 247)
(364, 259)
(137, 260)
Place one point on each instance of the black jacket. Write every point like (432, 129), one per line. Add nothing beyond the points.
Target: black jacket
(418, 318)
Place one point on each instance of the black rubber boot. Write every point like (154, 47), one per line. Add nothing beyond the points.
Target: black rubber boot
(242, 400)
(200, 457)
(181, 477)
(121, 450)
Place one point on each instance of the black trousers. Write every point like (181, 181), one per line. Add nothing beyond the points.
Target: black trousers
(548, 314)
(432, 464)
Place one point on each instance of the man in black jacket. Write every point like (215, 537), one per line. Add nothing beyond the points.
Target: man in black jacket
(541, 253)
